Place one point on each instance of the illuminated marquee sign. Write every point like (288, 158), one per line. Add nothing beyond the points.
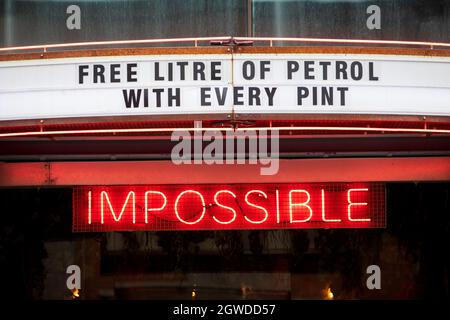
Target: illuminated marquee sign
(225, 83)
(237, 206)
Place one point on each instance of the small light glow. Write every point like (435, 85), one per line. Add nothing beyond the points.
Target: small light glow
(75, 293)
(245, 290)
(330, 294)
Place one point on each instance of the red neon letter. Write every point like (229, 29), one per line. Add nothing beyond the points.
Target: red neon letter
(203, 205)
(277, 196)
(301, 204)
(104, 195)
(350, 204)
(147, 209)
(323, 210)
(89, 207)
(225, 207)
(266, 214)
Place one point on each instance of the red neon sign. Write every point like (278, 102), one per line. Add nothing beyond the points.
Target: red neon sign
(238, 206)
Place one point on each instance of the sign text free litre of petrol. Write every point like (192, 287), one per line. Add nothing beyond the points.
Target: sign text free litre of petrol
(192, 71)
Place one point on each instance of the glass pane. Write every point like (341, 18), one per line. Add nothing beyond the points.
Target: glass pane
(28, 22)
(37, 246)
(400, 19)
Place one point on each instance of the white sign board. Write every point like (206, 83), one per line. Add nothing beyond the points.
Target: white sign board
(241, 83)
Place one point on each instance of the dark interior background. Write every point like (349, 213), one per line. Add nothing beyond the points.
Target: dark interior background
(418, 252)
